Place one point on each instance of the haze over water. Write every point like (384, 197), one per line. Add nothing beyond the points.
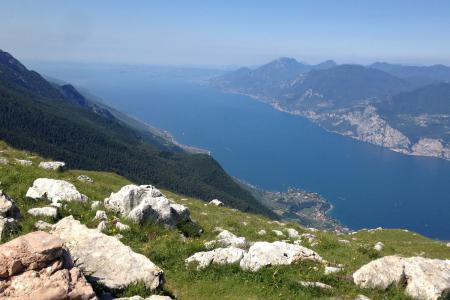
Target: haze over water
(369, 186)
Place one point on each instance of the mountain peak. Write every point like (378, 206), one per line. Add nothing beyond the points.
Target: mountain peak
(9, 61)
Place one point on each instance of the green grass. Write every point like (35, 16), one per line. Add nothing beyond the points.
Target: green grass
(168, 248)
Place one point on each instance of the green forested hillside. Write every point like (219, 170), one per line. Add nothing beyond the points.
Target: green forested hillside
(37, 116)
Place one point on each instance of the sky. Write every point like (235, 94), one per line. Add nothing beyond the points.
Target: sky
(221, 33)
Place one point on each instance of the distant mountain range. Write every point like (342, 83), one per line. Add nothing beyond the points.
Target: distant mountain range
(403, 108)
(57, 121)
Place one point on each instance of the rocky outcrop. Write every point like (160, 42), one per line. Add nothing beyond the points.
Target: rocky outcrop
(431, 147)
(423, 278)
(36, 266)
(52, 165)
(106, 259)
(263, 254)
(226, 239)
(221, 256)
(47, 211)
(55, 191)
(145, 202)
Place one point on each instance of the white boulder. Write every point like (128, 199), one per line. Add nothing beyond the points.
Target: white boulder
(278, 232)
(47, 211)
(105, 258)
(145, 202)
(55, 191)
(4, 161)
(216, 202)
(52, 165)
(226, 239)
(122, 227)
(378, 246)
(292, 233)
(221, 256)
(424, 278)
(42, 225)
(85, 178)
(262, 232)
(331, 270)
(100, 215)
(101, 227)
(263, 254)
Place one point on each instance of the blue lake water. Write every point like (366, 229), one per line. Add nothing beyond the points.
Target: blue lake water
(369, 186)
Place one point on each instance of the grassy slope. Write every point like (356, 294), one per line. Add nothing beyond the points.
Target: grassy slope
(168, 250)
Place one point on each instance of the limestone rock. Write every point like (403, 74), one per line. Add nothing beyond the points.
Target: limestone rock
(216, 202)
(424, 278)
(4, 161)
(85, 178)
(145, 202)
(54, 190)
(100, 215)
(47, 211)
(95, 204)
(8, 208)
(278, 232)
(41, 225)
(35, 266)
(29, 252)
(102, 226)
(221, 256)
(361, 297)
(52, 165)
(292, 233)
(263, 254)
(122, 227)
(226, 239)
(378, 246)
(330, 270)
(262, 232)
(24, 162)
(105, 258)
(315, 284)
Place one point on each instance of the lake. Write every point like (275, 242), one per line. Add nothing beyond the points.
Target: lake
(369, 186)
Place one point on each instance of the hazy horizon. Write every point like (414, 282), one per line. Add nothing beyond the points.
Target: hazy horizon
(224, 34)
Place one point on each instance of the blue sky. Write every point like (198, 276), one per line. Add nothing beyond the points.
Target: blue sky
(226, 32)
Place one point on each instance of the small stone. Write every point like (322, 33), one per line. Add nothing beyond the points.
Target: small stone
(278, 232)
(216, 202)
(46, 211)
(95, 205)
(8, 207)
(292, 233)
(378, 246)
(52, 165)
(100, 215)
(262, 232)
(24, 162)
(315, 284)
(331, 270)
(42, 225)
(85, 178)
(101, 226)
(346, 242)
(4, 161)
(122, 227)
